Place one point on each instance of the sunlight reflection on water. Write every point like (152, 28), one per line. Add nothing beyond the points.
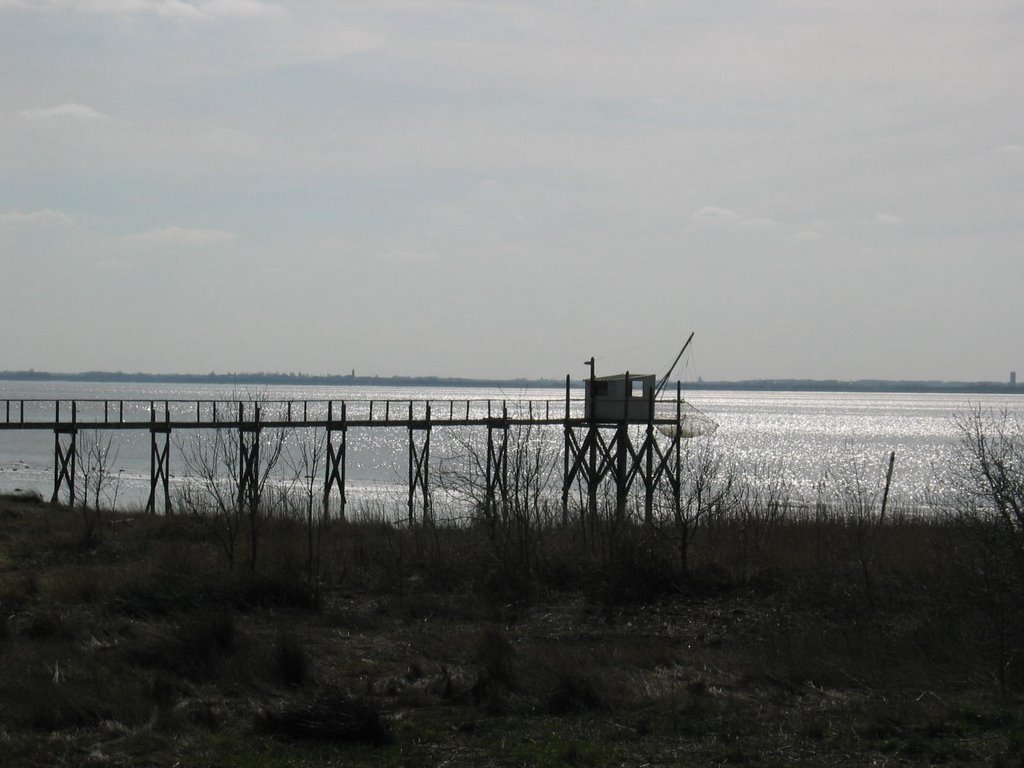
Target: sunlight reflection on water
(807, 434)
(803, 435)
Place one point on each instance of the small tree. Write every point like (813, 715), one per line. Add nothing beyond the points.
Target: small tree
(987, 504)
(513, 511)
(707, 484)
(96, 456)
(762, 501)
(228, 476)
(988, 474)
(857, 493)
(210, 492)
(305, 457)
(252, 494)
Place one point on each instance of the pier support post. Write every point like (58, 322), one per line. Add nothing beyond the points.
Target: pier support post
(566, 483)
(496, 466)
(337, 434)
(595, 460)
(589, 463)
(675, 450)
(159, 466)
(591, 476)
(419, 467)
(623, 476)
(650, 482)
(248, 460)
(65, 455)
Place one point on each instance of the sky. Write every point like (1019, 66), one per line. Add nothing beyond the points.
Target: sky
(497, 190)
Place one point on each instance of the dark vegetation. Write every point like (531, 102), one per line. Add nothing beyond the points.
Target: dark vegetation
(737, 629)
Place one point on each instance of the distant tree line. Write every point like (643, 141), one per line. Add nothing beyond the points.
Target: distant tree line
(265, 378)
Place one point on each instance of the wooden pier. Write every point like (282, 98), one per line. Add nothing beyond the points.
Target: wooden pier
(599, 445)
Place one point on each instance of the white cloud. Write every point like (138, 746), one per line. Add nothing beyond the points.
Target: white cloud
(887, 220)
(711, 214)
(43, 218)
(179, 9)
(229, 141)
(181, 236)
(806, 235)
(71, 110)
(175, 9)
(242, 8)
(407, 257)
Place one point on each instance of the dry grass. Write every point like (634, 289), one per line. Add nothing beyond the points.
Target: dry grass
(811, 642)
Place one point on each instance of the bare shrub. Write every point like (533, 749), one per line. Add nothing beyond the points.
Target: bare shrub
(988, 475)
(987, 508)
(290, 661)
(573, 694)
(329, 716)
(96, 456)
(305, 458)
(67, 687)
(761, 503)
(197, 648)
(224, 496)
(703, 486)
(210, 493)
(515, 510)
(856, 493)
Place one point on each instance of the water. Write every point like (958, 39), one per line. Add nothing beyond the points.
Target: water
(810, 434)
(798, 435)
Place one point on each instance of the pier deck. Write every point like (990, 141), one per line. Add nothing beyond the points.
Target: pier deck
(50, 414)
(596, 449)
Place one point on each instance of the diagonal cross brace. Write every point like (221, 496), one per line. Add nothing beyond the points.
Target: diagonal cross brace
(64, 459)
(335, 468)
(249, 467)
(159, 468)
(419, 468)
(497, 466)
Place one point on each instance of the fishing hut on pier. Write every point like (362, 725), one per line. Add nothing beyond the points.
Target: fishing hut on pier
(621, 439)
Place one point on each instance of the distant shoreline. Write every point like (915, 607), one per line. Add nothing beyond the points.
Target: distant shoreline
(756, 385)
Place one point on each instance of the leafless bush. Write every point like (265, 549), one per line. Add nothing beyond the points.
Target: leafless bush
(210, 492)
(305, 458)
(228, 476)
(515, 507)
(988, 476)
(987, 506)
(762, 503)
(329, 716)
(96, 456)
(704, 485)
(857, 493)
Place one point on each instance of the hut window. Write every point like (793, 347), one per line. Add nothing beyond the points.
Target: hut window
(637, 388)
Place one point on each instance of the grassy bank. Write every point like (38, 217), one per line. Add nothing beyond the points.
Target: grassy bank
(828, 639)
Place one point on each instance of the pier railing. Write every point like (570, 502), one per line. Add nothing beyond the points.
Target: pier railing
(214, 414)
(597, 446)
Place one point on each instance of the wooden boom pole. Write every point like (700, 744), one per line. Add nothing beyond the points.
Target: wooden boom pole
(664, 380)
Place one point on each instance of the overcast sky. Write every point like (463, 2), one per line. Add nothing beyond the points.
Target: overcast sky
(817, 189)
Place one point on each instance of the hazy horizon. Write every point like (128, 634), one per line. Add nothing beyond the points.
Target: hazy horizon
(499, 190)
(371, 375)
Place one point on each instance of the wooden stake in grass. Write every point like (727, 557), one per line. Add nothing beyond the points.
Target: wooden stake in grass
(885, 493)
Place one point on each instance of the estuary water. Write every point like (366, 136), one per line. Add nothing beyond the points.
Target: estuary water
(801, 436)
